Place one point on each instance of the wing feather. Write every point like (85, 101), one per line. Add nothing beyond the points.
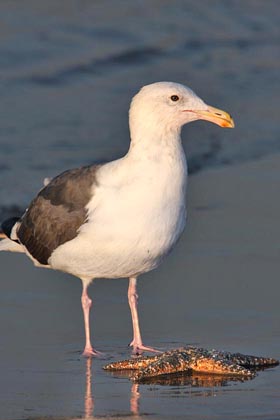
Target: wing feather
(56, 214)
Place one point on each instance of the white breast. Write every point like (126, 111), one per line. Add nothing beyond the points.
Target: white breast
(135, 217)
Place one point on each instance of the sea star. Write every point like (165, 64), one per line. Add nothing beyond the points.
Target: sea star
(194, 359)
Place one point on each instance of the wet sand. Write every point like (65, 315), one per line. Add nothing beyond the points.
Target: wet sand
(69, 70)
(219, 288)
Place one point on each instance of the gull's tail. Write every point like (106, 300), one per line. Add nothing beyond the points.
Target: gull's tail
(10, 243)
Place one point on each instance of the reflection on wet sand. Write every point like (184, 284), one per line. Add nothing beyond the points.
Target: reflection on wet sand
(89, 402)
(135, 399)
(180, 384)
(207, 383)
(89, 399)
(193, 379)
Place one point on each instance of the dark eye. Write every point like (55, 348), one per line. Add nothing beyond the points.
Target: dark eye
(174, 98)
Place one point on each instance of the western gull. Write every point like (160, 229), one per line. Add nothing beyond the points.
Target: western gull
(118, 219)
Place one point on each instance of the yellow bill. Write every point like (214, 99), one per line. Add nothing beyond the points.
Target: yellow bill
(216, 116)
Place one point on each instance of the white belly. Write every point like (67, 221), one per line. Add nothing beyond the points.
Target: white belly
(130, 228)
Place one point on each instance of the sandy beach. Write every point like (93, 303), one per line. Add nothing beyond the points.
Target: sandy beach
(68, 72)
(219, 288)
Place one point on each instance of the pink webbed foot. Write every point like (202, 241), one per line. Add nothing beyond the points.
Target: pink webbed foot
(91, 352)
(140, 348)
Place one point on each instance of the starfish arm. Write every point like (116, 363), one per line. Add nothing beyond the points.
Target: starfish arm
(131, 364)
(252, 361)
(205, 364)
(170, 362)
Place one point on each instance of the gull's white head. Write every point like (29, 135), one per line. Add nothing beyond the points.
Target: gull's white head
(168, 106)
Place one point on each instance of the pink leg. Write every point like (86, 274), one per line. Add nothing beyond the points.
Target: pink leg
(136, 343)
(89, 351)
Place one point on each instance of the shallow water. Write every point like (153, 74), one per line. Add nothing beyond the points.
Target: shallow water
(68, 71)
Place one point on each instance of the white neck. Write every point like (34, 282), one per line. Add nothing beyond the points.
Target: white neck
(153, 140)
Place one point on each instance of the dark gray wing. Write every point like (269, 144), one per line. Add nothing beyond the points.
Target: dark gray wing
(57, 212)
